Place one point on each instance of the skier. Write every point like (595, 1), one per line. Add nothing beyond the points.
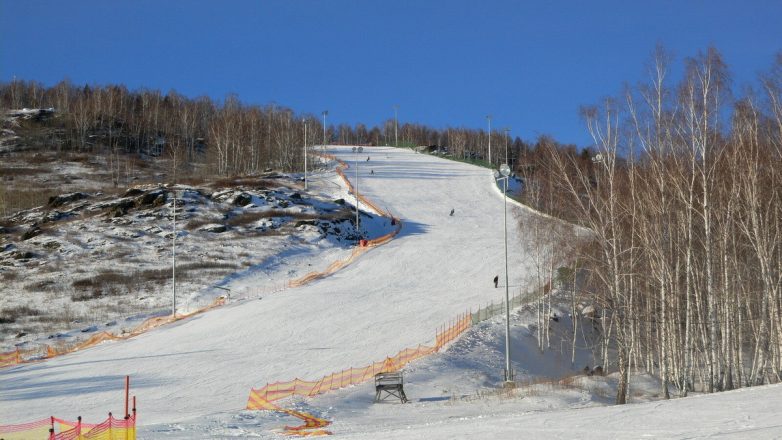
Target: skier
(367, 158)
(451, 212)
(371, 171)
(496, 280)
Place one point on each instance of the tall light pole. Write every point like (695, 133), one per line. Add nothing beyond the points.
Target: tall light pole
(505, 172)
(507, 130)
(305, 154)
(355, 160)
(173, 254)
(325, 112)
(488, 118)
(396, 140)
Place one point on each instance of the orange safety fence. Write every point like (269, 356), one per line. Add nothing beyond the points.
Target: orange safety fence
(19, 356)
(357, 251)
(32, 430)
(263, 398)
(53, 428)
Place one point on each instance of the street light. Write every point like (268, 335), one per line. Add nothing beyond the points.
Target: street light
(173, 255)
(325, 112)
(505, 172)
(305, 154)
(355, 190)
(488, 118)
(396, 140)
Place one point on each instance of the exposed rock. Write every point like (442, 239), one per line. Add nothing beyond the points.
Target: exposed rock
(150, 197)
(160, 200)
(215, 228)
(30, 233)
(63, 199)
(133, 192)
(242, 199)
(339, 201)
(22, 255)
(53, 216)
(52, 245)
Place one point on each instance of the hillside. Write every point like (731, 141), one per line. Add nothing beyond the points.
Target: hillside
(193, 377)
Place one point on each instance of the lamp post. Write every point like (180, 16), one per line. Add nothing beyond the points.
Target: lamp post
(488, 118)
(305, 154)
(356, 151)
(173, 258)
(396, 140)
(505, 172)
(325, 112)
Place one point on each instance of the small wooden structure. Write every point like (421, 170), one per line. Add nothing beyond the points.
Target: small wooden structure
(391, 384)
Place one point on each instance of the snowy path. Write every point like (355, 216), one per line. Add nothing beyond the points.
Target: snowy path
(393, 297)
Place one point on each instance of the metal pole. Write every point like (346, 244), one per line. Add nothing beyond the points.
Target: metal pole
(358, 229)
(488, 118)
(396, 140)
(127, 390)
(305, 154)
(508, 372)
(325, 112)
(173, 261)
(506, 144)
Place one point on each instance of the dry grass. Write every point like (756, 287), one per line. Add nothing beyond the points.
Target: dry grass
(254, 182)
(9, 275)
(112, 283)
(6, 172)
(10, 315)
(198, 222)
(206, 265)
(21, 199)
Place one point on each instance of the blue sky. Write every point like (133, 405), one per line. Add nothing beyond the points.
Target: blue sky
(444, 63)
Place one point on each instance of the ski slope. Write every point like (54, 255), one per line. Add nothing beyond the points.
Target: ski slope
(392, 297)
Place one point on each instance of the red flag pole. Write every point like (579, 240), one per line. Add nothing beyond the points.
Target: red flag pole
(127, 390)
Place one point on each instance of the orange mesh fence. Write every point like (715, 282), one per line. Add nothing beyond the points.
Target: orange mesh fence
(110, 429)
(339, 264)
(10, 358)
(32, 430)
(263, 398)
(53, 428)
(48, 351)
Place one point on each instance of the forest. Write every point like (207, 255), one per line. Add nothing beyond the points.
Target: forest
(682, 200)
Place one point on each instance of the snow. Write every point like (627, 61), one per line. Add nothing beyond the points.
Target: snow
(192, 378)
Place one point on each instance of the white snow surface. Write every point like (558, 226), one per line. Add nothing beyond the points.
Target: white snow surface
(392, 297)
(192, 378)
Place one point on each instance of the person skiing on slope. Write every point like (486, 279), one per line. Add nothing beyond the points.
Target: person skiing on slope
(496, 280)
(451, 214)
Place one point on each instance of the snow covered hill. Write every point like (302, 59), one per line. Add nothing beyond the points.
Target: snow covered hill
(91, 261)
(192, 378)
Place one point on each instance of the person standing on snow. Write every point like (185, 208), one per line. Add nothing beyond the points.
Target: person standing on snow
(496, 280)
